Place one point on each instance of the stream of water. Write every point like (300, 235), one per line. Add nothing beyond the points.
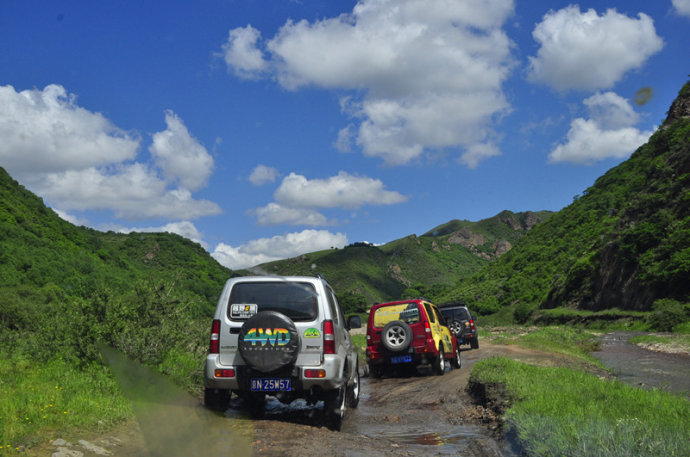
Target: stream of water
(643, 368)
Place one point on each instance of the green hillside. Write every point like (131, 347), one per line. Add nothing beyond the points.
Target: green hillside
(39, 251)
(625, 243)
(363, 273)
(65, 289)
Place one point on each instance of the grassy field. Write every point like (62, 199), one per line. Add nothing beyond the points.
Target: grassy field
(553, 411)
(38, 400)
(569, 341)
(567, 412)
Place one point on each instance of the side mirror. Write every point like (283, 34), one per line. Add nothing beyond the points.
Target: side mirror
(354, 322)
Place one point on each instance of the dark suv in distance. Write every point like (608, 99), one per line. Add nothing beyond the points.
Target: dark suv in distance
(461, 323)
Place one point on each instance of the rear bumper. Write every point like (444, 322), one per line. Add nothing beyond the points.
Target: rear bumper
(466, 338)
(334, 367)
(420, 355)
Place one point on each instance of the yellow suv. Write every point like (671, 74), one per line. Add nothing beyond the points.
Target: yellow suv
(409, 332)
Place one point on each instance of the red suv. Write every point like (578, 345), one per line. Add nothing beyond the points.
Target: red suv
(409, 333)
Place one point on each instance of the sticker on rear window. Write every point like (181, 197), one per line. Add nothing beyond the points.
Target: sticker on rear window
(243, 310)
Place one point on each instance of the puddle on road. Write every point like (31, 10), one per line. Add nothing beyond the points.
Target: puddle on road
(172, 422)
(643, 368)
(426, 432)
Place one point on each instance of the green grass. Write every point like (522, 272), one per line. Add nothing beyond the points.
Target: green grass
(608, 319)
(569, 341)
(39, 400)
(566, 412)
(360, 342)
(680, 341)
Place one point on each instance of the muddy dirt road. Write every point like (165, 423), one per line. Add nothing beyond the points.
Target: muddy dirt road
(413, 415)
(400, 415)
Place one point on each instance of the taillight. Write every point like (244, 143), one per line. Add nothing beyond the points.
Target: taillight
(472, 324)
(328, 337)
(214, 346)
(224, 373)
(310, 373)
(429, 336)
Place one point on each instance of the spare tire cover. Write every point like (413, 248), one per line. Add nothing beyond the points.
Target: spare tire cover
(269, 341)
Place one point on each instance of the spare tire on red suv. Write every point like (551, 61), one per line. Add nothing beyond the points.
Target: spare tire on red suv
(396, 336)
(268, 341)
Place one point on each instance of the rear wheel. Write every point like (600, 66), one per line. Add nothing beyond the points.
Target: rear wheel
(334, 409)
(353, 391)
(255, 403)
(474, 344)
(216, 399)
(456, 362)
(375, 371)
(440, 362)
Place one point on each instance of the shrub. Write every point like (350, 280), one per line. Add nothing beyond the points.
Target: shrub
(522, 313)
(667, 314)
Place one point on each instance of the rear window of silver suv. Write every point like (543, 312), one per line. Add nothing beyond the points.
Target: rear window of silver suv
(298, 301)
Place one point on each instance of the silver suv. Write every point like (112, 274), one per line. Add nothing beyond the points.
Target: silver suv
(286, 337)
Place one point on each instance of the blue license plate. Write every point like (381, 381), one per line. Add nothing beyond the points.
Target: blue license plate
(270, 385)
(401, 359)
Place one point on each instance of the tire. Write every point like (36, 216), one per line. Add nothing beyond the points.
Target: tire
(396, 336)
(375, 371)
(474, 344)
(353, 391)
(268, 352)
(457, 363)
(440, 362)
(455, 327)
(255, 404)
(216, 399)
(334, 409)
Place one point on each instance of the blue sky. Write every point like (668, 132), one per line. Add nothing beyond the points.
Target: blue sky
(265, 130)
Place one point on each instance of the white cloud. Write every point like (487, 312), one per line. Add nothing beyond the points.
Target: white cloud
(611, 111)
(130, 191)
(241, 54)
(343, 190)
(297, 198)
(682, 7)
(587, 51)
(78, 160)
(609, 133)
(477, 153)
(428, 75)
(262, 175)
(346, 136)
(45, 131)
(275, 214)
(181, 158)
(278, 247)
(71, 218)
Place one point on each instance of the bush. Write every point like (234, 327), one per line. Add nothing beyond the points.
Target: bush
(667, 314)
(522, 313)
